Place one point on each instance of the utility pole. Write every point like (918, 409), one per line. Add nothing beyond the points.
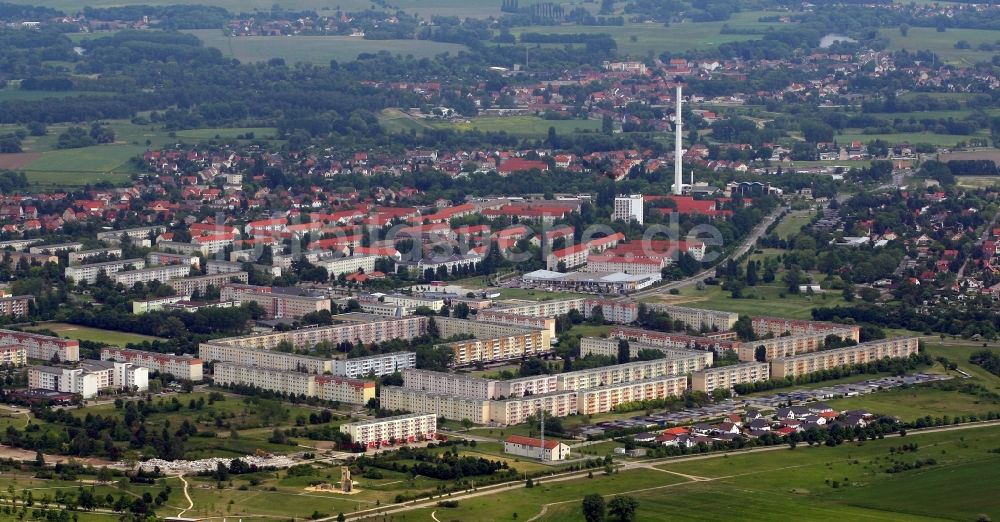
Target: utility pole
(541, 417)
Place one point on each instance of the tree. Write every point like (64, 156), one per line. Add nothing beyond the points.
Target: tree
(39, 459)
(744, 328)
(623, 507)
(904, 29)
(623, 351)
(593, 508)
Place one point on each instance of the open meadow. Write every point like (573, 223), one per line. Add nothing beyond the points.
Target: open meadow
(316, 49)
(943, 43)
(86, 333)
(48, 166)
(820, 483)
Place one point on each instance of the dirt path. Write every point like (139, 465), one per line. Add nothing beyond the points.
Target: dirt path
(187, 496)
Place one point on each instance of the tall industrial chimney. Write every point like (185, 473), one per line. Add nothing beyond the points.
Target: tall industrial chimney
(678, 136)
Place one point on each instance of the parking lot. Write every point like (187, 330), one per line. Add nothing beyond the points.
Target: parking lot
(758, 402)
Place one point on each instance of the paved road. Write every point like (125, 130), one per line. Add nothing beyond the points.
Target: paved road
(748, 243)
(648, 464)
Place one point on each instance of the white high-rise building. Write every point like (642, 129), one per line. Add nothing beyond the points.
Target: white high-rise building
(628, 208)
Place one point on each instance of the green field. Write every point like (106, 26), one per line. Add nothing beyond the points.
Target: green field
(975, 182)
(519, 125)
(316, 49)
(86, 333)
(943, 44)
(792, 223)
(940, 140)
(55, 167)
(776, 485)
(637, 40)
(12, 93)
(768, 300)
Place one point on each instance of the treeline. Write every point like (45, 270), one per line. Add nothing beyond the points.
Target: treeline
(19, 12)
(989, 360)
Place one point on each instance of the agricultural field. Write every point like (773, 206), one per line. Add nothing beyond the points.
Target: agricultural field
(13, 93)
(529, 126)
(316, 49)
(940, 140)
(638, 40)
(48, 166)
(86, 333)
(943, 44)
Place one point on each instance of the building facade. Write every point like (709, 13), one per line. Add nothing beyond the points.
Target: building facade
(606, 398)
(807, 363)
(182, 367)
(89, 272)
(380, 364)
(162, 274)
(725, 377)
(384, 431)
(628, 208)
(17, 305)
(42, 347)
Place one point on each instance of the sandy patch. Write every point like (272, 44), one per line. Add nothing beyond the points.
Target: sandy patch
(332, 488)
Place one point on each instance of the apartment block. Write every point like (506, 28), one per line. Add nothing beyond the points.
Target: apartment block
(725, 377)
(526, 344)
(55, 249)
(162, 274)
(247, 356)
(183, 367)
(281, 305)
(408, 428)
(807, 363)
(344, 389)
(606, 398)
(347, 265)
(675, 340)
(13, 355)
(795, 344)
(697, 318)
(170, 258)
(695, 359)
(290, 382)
(546, 308)
(42, 347)
(628, 372)
(519, 409)
(89, 272)
(451, 407)
(16, 306)
(381, 364)
(19, 244)
(615, 311)
(183, 249)
(188, 285)
(778, 326)
(410, 301)
(477, 387)
(76, 258)
(159, 303)
(134, 234)
(90, 378)
(527, 321)
(366, 328)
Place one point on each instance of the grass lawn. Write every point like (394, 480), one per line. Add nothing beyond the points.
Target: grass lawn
(535, 295)
(943, 44)
(86, 333)
(792, 223)
(913, 403)
(316, 49)
(767, 300)
(591, 330)
(520, 125)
